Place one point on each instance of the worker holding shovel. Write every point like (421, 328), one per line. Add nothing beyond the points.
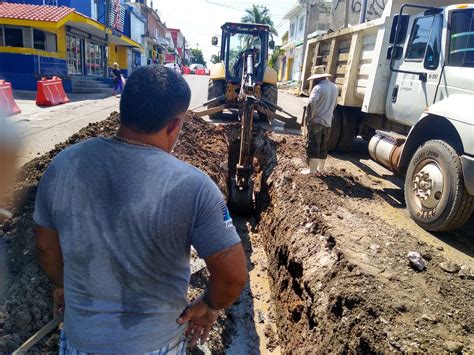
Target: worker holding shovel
(321, 105)
(116, 221)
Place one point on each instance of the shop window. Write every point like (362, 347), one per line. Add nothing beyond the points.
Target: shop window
(39, 40)
(13, 36)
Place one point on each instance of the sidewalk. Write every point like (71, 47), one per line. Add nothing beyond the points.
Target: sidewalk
(44, 127)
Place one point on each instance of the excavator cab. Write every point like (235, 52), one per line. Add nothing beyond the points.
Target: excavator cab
(241, 39)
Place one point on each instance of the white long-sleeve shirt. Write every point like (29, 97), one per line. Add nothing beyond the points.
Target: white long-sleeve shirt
(323, 101)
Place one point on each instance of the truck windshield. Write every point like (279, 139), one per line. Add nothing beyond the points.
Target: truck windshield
(461, 46)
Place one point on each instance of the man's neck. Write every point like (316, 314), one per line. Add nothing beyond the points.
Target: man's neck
(155, 140)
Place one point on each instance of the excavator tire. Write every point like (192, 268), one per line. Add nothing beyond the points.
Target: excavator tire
(216, 88)
(241, 201)
(270, 93)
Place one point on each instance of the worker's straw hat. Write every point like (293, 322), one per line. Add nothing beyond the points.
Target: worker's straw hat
(319, 73)
(115, 65)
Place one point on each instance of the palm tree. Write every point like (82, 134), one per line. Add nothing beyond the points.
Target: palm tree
(259, 14)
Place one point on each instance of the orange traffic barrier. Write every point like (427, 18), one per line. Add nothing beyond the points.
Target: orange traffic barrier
(186, 70)
(51, 92)
(8, 106)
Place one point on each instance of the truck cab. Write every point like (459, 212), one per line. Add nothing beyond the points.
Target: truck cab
(431, 89)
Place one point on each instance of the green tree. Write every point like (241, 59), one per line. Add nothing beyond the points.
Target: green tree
(273, 60)
(215, 59)
(198, 56)
(260, 14)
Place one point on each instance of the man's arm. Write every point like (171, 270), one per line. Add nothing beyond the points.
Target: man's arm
(228, 275)
(49, 254)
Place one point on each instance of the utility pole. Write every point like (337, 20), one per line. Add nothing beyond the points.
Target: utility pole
(307, 4)
(346, 13)
(106, 48)
(363, 11)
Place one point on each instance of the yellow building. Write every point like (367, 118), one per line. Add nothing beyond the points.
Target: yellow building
(39, 40)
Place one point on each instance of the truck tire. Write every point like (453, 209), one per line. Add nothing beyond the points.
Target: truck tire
(270, 93)
(216, 88)
(336, 127)
(348, 132)
(434, 188)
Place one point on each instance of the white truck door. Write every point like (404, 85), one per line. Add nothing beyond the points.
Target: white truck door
(410, 94)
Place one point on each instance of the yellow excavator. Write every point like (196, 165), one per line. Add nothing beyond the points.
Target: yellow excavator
(243, 82)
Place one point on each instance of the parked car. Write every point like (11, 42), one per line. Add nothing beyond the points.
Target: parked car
(193, 67)
(174, 66)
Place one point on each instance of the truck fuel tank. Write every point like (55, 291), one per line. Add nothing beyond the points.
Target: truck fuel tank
(386, 149)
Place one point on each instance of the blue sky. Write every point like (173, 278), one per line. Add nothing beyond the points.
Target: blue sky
(201, 19)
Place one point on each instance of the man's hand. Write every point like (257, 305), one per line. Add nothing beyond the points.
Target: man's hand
(58, 301)
(200, 318)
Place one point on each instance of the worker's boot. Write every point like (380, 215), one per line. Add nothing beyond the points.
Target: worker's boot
(321, 164)
(313, 167)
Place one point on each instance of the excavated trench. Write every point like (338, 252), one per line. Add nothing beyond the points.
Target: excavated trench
(326, 274)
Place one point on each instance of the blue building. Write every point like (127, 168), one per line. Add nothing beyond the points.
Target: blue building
(69, 39)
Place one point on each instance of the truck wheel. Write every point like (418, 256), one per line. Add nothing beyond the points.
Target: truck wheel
(336, 127)
(434, 188)
(216, 88)
(270, 93)
(348, 132)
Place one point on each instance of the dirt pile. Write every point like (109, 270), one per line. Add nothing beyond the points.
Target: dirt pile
(341, 280)
(28, 305)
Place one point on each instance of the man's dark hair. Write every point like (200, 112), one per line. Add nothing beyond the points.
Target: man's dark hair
(153, 97)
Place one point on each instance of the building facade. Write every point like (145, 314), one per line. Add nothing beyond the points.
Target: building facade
(296, 17)
(44, 40)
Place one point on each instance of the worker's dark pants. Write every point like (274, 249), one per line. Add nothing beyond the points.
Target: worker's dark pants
(317, 141)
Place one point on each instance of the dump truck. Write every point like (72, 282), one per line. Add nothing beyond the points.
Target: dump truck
(406, 82)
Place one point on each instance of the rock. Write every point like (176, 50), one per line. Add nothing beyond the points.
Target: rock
(453, 346)
(466, 273)
(416, 261)
(450, 267)
(429, 318)
(260, 317)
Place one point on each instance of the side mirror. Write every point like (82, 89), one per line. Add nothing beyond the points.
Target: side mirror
(402, 35)
(271, 44)
(215, 41)
(395, 51)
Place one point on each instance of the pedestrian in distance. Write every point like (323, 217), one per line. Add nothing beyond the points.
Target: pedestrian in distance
(321, 105)
(117, 218)
(117, 79)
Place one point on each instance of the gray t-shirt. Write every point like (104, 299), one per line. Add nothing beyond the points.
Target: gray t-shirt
(127, 217)
(323, 101)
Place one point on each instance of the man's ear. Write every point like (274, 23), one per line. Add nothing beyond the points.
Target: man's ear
(173, 126)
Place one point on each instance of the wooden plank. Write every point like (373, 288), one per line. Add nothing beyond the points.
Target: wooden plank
(348, 96)
(332, 57)
(314, 64)
(341, 69)
(343, 57)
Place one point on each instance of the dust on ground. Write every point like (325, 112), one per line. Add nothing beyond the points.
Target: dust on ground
(341, 280)
(28, 302)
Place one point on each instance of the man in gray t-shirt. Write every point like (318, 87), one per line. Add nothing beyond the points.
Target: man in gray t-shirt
(321, 105)
(117, 219)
